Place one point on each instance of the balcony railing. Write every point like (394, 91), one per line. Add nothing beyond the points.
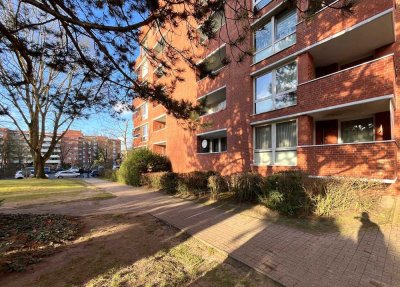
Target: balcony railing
(365, 81)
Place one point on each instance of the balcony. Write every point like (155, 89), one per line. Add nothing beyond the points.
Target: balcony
(362, 82)
(214, 101)
(376, 160)
(330, 22)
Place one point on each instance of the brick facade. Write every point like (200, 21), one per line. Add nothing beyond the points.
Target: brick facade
(356, 84)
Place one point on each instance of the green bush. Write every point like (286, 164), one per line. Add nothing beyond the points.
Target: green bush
(217, 184)
(285, 192)
(110, 175)
(141, 161)
(194, 182)
(165, 181)
(246, 186)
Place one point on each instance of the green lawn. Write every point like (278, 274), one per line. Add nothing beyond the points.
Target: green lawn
(33, 190)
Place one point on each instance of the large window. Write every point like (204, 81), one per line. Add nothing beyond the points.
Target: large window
(277, 34)
(275, 144)
(276, 89)
(360, 130)
(144, 69)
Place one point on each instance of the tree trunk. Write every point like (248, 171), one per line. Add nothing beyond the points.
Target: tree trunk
(39, 164)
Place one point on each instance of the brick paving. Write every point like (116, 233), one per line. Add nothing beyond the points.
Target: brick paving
(366, 257)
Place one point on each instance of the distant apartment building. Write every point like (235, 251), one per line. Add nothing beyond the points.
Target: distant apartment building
(317, 95)
(74, 149)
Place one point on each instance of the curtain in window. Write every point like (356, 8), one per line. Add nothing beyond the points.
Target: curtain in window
(286, 135)
(263, 137)
(361, 130)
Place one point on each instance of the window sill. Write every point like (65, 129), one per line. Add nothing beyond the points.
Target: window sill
(204, 153)
(272, 165)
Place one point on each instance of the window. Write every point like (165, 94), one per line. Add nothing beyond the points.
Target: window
(144, 111)
(277, 34)
(145, 133)
(144, 68)
(160, 46)
(361, 130)
(275, 144)
(259, 4)
(212, 145)
(276, 89)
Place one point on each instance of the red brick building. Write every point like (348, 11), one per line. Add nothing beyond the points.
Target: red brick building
(318, 95)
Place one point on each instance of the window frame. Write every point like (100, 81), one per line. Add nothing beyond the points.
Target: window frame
(273, 21)
(144, 137)
(274, 149)
(274, 93)
(145, 116)
(211, 143)
(340, 140)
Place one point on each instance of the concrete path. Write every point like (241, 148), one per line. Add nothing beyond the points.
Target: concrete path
(368, 257)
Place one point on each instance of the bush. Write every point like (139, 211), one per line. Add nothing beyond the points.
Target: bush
(285, 193)
(246, 186)
(343, 194)
(165, 181)
(141, 161)
(194, 182)
(217, 184)
(110, 175)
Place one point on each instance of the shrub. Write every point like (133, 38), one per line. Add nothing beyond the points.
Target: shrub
(140, 161)
(285, 192)
(110, 175)
(165, 181)
(194, 182)
(217, 184)
(246, 186)
(343, 194)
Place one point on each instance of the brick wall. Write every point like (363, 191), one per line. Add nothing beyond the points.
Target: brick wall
(374, 160)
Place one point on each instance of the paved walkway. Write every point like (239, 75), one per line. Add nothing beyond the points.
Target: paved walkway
(368, 257)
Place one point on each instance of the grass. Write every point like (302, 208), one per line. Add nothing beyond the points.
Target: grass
(131, 250)
(34, 191)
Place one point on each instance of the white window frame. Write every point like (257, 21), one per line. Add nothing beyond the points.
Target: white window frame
(212, 145)
(145, 115)
(340, 140)
(144, 136)
(274, 93)
(273, 148)
(274, 50)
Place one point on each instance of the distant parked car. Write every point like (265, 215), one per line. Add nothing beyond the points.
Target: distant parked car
(19, 175)
(67, 174)
(47, 170)
(94, 173)
(73, 170)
